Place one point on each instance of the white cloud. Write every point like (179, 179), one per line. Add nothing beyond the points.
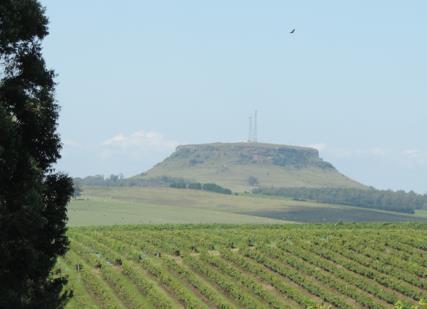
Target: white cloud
(129, 154)
(413, 153)
(415, 157)
(139, 139)
(137, 144)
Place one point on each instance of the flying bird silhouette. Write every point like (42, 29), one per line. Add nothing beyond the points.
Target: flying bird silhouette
(292, 31)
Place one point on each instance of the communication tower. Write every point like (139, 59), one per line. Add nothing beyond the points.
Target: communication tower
(250, 130)
(255, 137)
(253, 128)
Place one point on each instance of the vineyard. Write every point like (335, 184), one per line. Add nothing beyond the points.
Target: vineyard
(248, 266)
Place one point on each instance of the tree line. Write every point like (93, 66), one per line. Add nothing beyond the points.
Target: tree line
(211, 187)
(160, 181)
(119, 181)
(400, 201)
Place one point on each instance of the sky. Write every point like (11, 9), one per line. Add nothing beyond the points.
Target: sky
(137, 78)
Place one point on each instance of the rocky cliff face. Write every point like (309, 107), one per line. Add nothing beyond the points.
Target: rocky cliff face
(251, 153)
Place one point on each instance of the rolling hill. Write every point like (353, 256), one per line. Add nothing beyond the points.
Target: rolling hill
(136, 205)
(240, 166)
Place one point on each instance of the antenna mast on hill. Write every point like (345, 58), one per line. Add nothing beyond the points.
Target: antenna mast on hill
(250, 129)
(253, 128)
(255, 138)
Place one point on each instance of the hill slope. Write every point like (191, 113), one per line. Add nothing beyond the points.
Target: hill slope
(232, 164)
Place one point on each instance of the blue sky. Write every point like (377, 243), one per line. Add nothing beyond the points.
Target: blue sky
(137, 78)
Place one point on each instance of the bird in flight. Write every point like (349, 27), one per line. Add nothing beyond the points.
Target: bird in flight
(292, 31)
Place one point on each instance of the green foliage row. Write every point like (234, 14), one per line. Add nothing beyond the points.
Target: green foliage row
(349, 278)
(322, 274)
(393, 270)
(400, 201)
(119, 181)
(270, 277)
(97, 287)
(247, 266)
(295, 276)
(236, 275)
(230, 287)
(205, 290)
(161, 181)
(211, 187)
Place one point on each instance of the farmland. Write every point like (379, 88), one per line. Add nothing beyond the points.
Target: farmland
(247, 266)
(133, 205)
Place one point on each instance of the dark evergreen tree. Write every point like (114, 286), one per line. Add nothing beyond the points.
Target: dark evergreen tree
(33, 197)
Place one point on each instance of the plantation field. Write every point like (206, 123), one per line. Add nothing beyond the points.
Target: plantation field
(247, 266)
(135, 205)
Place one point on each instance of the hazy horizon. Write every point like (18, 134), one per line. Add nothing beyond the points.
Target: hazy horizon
(137, 78)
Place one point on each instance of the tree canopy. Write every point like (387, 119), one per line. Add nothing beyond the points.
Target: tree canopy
(33, 196)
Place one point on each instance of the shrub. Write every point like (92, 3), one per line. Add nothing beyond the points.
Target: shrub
(195, 186)
(212, 187)
(252, 181)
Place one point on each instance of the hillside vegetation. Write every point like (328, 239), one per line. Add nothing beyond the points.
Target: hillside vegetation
(135, 205)
(241, 166)
(400, 201)
(293, 266)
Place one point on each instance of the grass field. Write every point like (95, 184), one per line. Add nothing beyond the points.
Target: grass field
(421, 213)
(247, 266)
(132, 205)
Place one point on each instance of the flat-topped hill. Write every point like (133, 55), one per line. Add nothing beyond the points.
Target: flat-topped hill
(242, 166)
(250, 153)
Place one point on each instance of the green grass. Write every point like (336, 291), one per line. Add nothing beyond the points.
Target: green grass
(222, 164)
(421, 213)
(235, 177)
(247, 266)
(133, 205)
(108, 206)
